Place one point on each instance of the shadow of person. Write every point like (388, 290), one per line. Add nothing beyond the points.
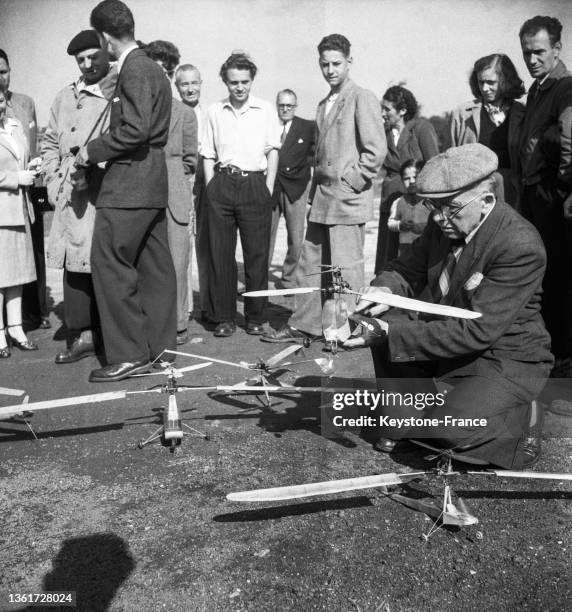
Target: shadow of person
(93, 566)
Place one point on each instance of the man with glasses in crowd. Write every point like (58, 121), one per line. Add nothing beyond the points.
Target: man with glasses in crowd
(475, 253)
(292, 180)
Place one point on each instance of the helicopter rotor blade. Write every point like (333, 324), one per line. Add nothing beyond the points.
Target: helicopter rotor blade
(289, 350)
(533, 475)
(209, 359)
(6, 411)
(165, 372)
(272, 292)
(7, 391)
(398, 301)
(322, 488)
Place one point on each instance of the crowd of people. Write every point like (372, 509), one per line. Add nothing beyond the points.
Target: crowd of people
(139, 174)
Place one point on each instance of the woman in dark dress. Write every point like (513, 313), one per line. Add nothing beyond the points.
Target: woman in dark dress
(494, 117)
(408, 137)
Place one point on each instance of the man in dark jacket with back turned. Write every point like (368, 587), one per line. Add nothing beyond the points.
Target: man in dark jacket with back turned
(132, 269)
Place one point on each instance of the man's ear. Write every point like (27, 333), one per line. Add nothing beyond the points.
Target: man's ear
(488, 202)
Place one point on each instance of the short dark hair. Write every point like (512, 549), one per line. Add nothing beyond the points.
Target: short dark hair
(511, 86)
(411, 163)
(402, 98)
(335, 42)
(238, 61)
(165, 52)
(4, 57)
(531, 27)
(290, 92)
(113, 17)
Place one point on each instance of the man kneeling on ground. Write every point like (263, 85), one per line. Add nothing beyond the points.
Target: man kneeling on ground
(476, 253)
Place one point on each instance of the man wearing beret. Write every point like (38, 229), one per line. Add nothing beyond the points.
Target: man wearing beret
(475, 253)
(132, 268)
(79, 113)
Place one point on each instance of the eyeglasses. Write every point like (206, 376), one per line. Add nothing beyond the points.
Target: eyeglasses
(287, 106)
(449, 209)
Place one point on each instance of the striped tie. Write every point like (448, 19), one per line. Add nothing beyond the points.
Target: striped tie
(448, 267)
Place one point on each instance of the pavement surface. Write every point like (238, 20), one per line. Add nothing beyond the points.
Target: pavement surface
(85, 510)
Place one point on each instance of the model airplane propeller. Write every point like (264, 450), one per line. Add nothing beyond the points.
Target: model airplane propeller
(446, 513)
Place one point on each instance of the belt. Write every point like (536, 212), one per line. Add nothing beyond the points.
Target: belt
(235, 170)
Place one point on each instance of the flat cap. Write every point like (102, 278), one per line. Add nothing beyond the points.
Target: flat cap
(86, 39)
(455, 170)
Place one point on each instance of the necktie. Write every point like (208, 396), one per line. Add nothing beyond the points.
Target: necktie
(283, 135)
(448, 267)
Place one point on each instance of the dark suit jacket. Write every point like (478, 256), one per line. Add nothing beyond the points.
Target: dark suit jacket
(418, 140)
(181, 158)
(136, 175)
(294, 159)
(499, 274)
(546, 135)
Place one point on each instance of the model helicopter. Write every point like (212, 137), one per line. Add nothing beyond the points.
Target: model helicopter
(444, 513)
(265, 372)
(335, 323)
(171, 429)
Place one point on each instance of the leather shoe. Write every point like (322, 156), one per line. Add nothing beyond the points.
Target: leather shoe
(81, 347)
(45, 323)
(119, 371)
(532, 446)
(182, 337)
(254, 329)
(384, 445)
(224, 330)
(287, 334)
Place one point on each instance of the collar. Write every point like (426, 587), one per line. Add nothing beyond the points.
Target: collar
(127, 50)
(252, 102)
(9, 122)
(470, 236)
(557, 73)
(93, 89)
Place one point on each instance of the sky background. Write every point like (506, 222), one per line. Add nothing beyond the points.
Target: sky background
(431, 45)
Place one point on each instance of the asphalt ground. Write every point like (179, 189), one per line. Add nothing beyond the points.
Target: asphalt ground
(85, 510)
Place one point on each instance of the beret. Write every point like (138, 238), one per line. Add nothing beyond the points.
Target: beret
(86, 39)
(455, 170)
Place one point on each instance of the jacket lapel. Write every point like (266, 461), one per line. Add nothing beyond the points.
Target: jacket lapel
(326, 121)
(473, 252)
(291, 135)
(476, 112)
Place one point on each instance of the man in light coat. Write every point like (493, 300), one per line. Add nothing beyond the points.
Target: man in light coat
(350, 149)
(79, 113)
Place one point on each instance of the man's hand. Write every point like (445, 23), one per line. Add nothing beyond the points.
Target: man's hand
(371, 332)
(78, 179)
(405, 225)
(369, 307)
(26, 177)
(81, 159)
(567, 206)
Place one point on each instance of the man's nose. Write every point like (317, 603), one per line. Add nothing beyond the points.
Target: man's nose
(88, 63)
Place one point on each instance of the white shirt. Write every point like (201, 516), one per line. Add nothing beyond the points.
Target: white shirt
(93, 89)
(241, 137)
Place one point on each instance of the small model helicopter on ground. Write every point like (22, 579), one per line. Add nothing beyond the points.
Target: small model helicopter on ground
(265, 372)
(444, 513)
(171, 429)
(335, 323)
